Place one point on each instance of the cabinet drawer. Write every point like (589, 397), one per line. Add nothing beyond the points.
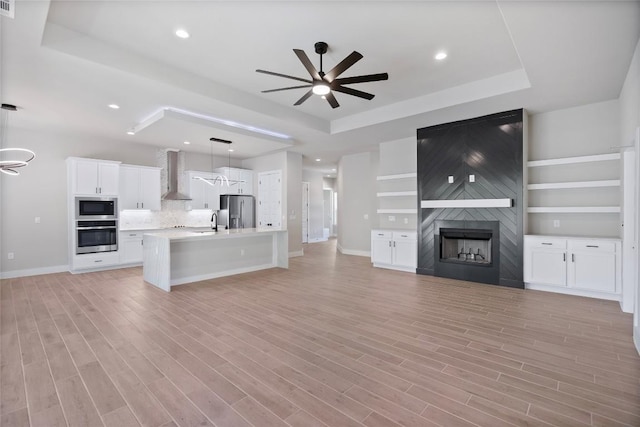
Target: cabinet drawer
(381, 234)
(546, 242)
(131, 234)
(592, 246)
(95, 260)
(405, 235)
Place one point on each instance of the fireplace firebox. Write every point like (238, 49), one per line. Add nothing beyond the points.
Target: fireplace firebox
(468, 250)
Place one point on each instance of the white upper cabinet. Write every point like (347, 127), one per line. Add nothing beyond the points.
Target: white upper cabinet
(94, 177)
(139, 188)
(203, 194)
(240, 180)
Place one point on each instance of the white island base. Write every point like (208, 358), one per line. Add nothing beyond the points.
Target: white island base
(179, 257)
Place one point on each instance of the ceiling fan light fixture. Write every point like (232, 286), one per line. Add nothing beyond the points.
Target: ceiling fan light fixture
(321, 89)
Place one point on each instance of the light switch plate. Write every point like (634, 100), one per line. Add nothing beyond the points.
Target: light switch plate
(556, 223)
(450, 179)
(392, 218)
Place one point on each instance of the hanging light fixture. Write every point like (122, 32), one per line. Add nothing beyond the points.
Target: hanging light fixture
(11, 158)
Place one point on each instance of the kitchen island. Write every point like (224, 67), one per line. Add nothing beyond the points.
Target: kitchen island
(176, 257)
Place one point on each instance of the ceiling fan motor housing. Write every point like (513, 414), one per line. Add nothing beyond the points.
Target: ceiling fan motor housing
(321, 48)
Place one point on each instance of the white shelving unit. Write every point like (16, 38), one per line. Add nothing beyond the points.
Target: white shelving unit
(398, 195)
(574, 185)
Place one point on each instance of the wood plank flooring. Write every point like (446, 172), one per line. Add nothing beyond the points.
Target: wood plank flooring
(329, 342)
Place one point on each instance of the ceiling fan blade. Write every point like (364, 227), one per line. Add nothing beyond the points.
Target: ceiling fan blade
(271, 73)
(354, 92)
(285, 88)
(307, 64)
(332, 100)
(304, 97)
(343, 65)
(362, 79)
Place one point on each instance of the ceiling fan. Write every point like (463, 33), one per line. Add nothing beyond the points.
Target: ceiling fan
(324, 84)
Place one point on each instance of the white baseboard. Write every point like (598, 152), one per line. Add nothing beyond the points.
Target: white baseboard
(353, 252)
(34, 271)
(296, 253)
(571, 291)
(636, 337)
(396, 267)
(318, 239)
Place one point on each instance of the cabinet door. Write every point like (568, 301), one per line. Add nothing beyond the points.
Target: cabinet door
(86, 177)
(130, 248)
(246, 187)
(196, 191)
(546, 266)
(381, 251)
(594, 271)
(129, 188)
(270, 200)
(212, 196)
(405, 253)
(108, 178)
(149, 189)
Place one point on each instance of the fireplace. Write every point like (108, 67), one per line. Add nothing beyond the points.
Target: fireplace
(461, 245)
(468, 250)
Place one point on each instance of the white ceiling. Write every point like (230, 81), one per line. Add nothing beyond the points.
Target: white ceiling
(64, 61)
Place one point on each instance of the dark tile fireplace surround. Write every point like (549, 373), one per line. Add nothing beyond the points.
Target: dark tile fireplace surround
(483, 158)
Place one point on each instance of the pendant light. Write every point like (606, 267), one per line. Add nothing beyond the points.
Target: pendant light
(11, 158)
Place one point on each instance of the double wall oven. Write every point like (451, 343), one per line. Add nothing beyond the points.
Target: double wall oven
(96, 224)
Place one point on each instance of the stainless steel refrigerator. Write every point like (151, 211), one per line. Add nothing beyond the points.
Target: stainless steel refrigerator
(237, 211)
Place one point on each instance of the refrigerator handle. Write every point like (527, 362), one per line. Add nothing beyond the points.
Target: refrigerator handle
(242, 213)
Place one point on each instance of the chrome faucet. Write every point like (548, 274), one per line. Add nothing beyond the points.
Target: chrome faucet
(214, 220)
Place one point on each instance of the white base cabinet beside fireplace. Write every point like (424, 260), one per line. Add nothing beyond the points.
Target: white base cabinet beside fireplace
(395, 249)
(588, 267)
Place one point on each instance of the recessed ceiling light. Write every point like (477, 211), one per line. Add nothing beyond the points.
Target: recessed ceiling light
(317, 160)
(187, 142)
(183, 34)
(114, 106)
(230, 150)
(130, 132)
(441, 55)
(333, 170)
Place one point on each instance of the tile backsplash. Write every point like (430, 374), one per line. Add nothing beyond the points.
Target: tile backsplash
(171, 215)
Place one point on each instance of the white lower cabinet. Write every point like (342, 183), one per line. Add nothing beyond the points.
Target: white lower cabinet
(130, 247)
(397, 250)
(579, 266)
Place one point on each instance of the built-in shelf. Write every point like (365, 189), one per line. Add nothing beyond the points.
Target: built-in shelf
(399, 176)
(570, 160)
(397, 211)
(397, 193)
(580, 184)
(575, 209)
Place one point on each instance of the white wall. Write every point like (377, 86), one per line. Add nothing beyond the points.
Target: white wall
(579, 131)
(291, 166)
(316, 203)
(357, 203)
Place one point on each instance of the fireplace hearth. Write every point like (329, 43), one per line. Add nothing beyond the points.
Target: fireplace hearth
(461, 245)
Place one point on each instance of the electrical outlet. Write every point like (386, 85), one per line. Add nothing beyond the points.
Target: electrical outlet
(450, 179)
(10, 255)
(37, 220)
(556, 223)
(392, 218)
(366, 216)
(406, 220)
(472, 178)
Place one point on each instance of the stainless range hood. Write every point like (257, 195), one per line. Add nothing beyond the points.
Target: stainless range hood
(172, 178)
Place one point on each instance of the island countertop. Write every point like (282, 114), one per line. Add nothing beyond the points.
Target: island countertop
(177, 256)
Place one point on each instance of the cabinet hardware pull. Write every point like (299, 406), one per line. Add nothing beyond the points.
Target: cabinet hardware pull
(137, 205)
(389, 243)
(394, 244)
(403, 235)
(131, 235)
(98, 260)
(142, 205)
(593, 246)
(573, 257)
(96, 190)
(545, 243)
(564, 257)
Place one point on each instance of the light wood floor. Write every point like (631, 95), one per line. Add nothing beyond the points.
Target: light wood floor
(329, 342)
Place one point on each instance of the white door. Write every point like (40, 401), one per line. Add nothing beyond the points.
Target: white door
(305, 212)
(270, 199)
